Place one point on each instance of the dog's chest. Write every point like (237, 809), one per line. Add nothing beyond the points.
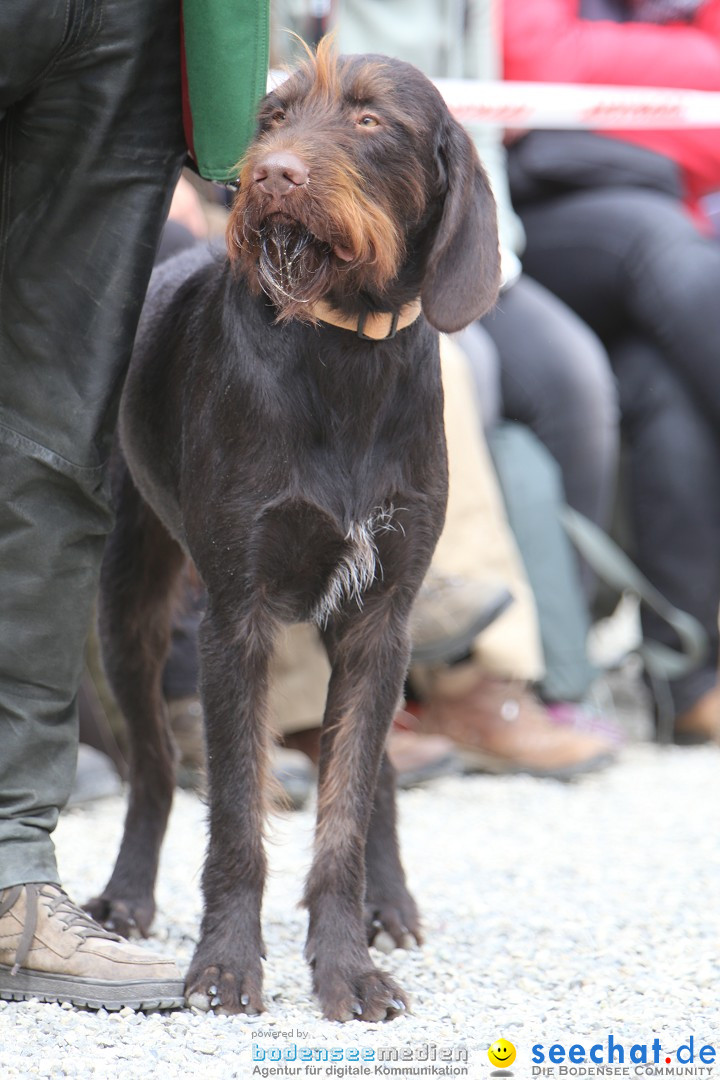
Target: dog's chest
(320, 477)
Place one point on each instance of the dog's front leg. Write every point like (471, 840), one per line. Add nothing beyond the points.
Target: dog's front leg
(226, 971)
(391, 915)
(369, 657)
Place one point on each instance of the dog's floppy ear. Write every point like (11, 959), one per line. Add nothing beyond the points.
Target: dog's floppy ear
(463, 270)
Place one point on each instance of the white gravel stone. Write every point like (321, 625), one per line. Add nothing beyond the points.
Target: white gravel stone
(553, 913)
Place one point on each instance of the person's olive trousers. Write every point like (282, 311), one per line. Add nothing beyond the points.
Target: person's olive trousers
(90, 146)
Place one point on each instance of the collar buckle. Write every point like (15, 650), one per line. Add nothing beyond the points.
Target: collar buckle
(366, 337)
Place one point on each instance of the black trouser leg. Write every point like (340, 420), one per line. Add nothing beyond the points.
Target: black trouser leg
(673, 460)
(90, 145)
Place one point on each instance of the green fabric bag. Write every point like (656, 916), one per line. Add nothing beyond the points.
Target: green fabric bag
(226, 45)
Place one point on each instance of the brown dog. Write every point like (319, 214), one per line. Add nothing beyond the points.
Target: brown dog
(282, 424)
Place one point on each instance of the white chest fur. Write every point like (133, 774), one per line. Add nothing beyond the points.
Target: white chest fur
(360, 566)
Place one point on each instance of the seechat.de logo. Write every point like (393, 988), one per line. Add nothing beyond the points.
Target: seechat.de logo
(616, 1053)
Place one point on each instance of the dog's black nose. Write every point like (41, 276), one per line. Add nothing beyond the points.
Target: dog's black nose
(281, 172)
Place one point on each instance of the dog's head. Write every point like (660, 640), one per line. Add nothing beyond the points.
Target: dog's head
(361, 189)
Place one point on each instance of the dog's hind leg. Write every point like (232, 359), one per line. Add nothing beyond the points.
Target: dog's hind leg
(236, 644)
(391, 914)
(140, 571)
(369, 653)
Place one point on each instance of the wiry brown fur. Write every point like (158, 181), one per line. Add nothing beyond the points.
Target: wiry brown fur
(302, 467)
(338, 206)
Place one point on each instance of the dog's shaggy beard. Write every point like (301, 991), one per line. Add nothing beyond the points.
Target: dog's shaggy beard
(293, 268)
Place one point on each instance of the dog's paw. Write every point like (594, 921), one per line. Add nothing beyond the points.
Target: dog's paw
(218, 989)
(369, 995)
(130, 918)
(393, 923)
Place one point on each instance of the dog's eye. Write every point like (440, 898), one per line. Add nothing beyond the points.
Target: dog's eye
(367, 120)
(278, 116)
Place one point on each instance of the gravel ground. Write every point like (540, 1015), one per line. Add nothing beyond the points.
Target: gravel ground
(555, 913)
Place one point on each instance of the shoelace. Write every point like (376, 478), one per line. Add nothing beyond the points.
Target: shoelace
(61, 905)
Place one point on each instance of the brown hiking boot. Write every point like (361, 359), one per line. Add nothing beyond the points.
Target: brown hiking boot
(418, 758)
(498, 726)
(415, 757)
(50, 949)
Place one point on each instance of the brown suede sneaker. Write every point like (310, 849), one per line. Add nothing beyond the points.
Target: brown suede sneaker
(51, 950)
(500, 727)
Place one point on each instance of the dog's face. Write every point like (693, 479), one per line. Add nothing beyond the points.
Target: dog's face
(361, 189)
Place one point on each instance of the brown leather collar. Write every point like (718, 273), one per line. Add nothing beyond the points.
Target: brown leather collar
(371, 326)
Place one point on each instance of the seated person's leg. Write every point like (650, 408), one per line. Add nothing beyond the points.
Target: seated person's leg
(623, 257)
(556, 379)
(673, 458)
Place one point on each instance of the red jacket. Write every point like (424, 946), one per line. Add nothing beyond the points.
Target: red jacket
(547, 41)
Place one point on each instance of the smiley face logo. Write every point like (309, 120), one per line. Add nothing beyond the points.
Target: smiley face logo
(501, 1053)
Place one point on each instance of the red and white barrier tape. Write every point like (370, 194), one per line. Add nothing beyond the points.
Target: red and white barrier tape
(549, 105)
(554, 105)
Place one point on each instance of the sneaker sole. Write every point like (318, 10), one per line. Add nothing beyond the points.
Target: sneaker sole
(142, 995)
(690, 738)
(451, 765)
(479, 761)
